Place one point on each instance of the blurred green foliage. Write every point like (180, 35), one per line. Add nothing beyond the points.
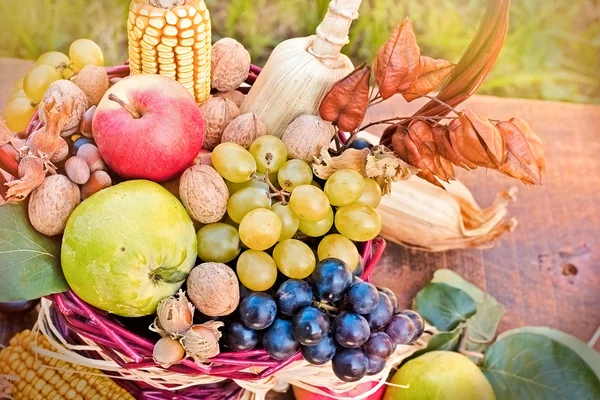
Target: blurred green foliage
(552, 50)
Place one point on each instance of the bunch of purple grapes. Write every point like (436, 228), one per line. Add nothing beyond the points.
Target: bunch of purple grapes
(332, 316)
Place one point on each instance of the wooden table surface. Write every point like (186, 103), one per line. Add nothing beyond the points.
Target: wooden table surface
(559, 222)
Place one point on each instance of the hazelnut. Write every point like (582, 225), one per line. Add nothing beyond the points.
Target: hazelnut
(175, 315)
(77, 170)
(214, 289)
(204, 193)
(230, 64)
(98, 180)
(244, 130)
(306, 136)
(51, 204)
(91, 155)
(218, 112)
(167, 352)
(85, 126)
(201, 342)
(61, 153)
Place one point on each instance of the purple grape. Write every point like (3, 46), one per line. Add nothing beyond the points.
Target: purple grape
(350, 365)
(351, 329)
(310, 326)
(360, 143)
(258, 311)
(400, 329)
(238, 337)
(374, 366)
(362, 297)
(278, 340)
(417, 321)
(293, 295)
(391, 296)
(80, 142)
(381, 314)
(321, 353)
(330, 279)
(379, 346)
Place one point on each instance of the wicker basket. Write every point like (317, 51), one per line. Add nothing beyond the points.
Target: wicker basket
(123, 348)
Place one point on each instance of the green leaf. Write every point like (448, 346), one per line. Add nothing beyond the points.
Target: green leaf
(29, 261)
(483, 325)
(444, 306)
(440, 341)
(588, 354)
(529, 366)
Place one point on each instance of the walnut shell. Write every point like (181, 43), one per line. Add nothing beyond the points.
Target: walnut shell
(204, 193)
(218, 113)
(244, 130)
(51, 204)
(67, 98)
(234, 95)
(230, 64)
(93, 80)
(306, 136)
(214, 289)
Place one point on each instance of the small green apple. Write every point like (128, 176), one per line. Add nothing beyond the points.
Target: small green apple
(440, 375)
(127, 247)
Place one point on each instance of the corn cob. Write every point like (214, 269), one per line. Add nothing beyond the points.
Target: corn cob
(172, 38)
(62, 381)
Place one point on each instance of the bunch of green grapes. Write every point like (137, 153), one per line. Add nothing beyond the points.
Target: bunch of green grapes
(50, 67)
(277, 206)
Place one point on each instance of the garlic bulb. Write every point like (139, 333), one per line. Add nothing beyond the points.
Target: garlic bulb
(301, 71)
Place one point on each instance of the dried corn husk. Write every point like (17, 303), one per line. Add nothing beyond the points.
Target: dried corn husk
(420, 215)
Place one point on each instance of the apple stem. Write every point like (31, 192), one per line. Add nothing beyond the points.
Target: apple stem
(130, 110)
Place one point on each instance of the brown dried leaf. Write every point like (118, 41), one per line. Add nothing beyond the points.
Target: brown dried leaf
(421, 134)
(409, 152)
(384, 167)
(489, 136)
(455, 133)
(535, 142)
(431, 73)
(31, 173)
(325, 165)
(468, 144)
(398, 60)
(441, 136)
(520, 162)
(346, 103)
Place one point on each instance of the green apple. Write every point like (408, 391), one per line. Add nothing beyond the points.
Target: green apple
(127, 247)
(440, 375)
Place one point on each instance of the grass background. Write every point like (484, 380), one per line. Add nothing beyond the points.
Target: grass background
(552, 50)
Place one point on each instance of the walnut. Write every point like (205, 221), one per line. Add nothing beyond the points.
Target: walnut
(306, 136)
(204, 193)
(51, 204)
(66, 98)
(218, 113)
(234, 95)
(230, 64)
(244, 130)
(93, 80)
(214, 289)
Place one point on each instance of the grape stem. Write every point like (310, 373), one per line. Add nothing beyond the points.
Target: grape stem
(127, 107)
(326, 307)
(274, 190)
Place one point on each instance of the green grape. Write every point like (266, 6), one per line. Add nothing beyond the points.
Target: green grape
(269, 152)
(318, 228)
(294, 258)
(294, 173)
(310, 203)
(344, 187)
(18, 113)
(358, 222)
(340, 247)
(218, 242)
(260, 229)
(54, 59)
(17, 93)
(289, 220)
(233, 162)
(372, 194)
(246, 200)
(85, 52)
(256, 270)
(254, 182)
(38, 79)
(19, 83)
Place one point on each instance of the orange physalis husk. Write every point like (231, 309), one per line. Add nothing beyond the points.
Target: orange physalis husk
(346, 103)
(535, 143)
(431, 73)
(520, 162)
(398, 60)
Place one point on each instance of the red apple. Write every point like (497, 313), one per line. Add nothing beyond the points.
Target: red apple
(149, 127)
(303, 394)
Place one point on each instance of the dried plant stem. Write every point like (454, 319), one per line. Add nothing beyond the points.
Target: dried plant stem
(8, 164)
(126, 106)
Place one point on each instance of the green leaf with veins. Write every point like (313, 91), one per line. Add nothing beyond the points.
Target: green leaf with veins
(29, 261)
(528, 366)
(440, 341)
(444, 306)
(483, 325)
